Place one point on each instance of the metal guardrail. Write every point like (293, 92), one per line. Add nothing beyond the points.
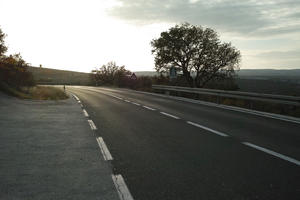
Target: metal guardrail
(279, 99)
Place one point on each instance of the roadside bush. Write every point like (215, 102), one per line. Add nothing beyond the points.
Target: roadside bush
(14, 72)
(110, 74)
(160, 80)
(144, 83)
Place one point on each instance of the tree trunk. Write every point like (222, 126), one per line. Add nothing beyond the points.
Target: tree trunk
(188, 78)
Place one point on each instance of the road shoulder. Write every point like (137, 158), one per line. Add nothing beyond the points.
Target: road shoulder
(48, 151)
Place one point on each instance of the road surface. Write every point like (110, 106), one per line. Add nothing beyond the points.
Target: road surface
(169, 149)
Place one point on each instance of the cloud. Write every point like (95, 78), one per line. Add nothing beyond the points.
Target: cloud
(248, 17)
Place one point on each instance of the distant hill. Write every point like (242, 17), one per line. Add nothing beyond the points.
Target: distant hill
(269, 73)
(146, 73)
(60, 77)
(285, 82)
(248, 73)
(250, 80)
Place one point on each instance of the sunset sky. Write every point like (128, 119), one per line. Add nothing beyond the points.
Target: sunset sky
(80, 35)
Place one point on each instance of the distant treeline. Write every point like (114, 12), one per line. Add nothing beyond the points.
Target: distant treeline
(111, 74)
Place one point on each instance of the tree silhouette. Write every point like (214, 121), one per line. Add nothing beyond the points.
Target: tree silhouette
(194, 50)
(3, 48)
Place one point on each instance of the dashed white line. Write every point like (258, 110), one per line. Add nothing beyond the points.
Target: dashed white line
(85, 113)
(121, 187)
(273, 153)
(137, 104)
(117, 97)
(93, 126)
(105, 152)
(169, 115)
(149, 108)
(127, 101)
(208, 129)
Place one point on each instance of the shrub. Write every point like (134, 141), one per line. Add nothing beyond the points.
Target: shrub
(14, 72)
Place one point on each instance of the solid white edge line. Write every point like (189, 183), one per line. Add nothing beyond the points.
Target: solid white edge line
(93, 126)
(105, 152)
(149, 108)
(127, 101)
(169, 115)
(121, 187)
(75, 97)
(85, 113)
(273, 153)
(208, 129)
(137, 104)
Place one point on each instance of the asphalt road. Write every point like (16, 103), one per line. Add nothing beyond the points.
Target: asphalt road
(168, 149)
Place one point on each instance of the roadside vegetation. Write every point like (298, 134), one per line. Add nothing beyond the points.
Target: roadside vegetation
(111, 74)
(199, 59)
(196, 56)
(197, 53)
(18, 81)
(36, 92)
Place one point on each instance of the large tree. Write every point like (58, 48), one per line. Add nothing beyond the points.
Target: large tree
(195, 50)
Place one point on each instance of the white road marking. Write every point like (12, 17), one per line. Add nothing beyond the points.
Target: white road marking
(273, 153)
(137, 104)
(105, 152)
(85, 113)
(93, 126)
(169, 115)
(116, 97)
(208, 129)
(237, 109)
(121, 187)
(75, 97)
(79, 102)
(149, 108)
(81, 105)
(127, 101)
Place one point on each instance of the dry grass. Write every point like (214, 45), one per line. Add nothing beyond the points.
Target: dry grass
(36, 92)
(45, 93)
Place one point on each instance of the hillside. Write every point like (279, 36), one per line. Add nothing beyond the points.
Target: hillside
(285, 82)
(274, 73)
(59, 77)
(255, 73)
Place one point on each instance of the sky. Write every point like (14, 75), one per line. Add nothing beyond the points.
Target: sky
(81, 35)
